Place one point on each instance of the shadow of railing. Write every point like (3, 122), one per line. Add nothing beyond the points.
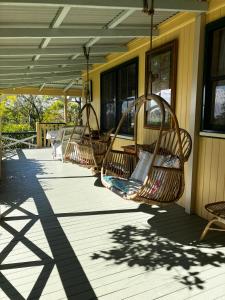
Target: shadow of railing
(20, 187)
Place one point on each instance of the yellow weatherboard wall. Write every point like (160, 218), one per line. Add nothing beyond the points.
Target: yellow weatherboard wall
(210, 158)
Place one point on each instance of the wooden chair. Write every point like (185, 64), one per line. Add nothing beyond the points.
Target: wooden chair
(218, 210)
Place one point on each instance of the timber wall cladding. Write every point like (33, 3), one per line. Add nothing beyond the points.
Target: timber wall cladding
(211, 157)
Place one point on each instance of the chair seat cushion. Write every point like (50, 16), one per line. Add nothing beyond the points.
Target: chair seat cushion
(123, 186)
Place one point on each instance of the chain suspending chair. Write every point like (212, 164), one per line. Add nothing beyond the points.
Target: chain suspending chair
(87, 147)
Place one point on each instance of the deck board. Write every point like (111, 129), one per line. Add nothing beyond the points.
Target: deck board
(64, 236)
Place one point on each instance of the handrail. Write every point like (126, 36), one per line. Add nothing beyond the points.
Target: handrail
(13, 141)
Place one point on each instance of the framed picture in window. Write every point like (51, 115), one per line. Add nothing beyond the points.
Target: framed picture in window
(163, 61)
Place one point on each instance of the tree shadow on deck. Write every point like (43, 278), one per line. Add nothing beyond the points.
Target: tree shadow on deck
(170, 242)
(23, 186)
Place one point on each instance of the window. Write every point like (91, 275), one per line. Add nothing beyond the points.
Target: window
(213, 109)
(119, 89)
(163, 62)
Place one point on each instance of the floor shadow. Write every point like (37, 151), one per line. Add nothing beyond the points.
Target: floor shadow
(20, 185)
(169, 241)
(172, 222)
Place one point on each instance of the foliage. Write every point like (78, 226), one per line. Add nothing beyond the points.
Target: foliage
(21, 112)
(5, 101)
(16, 127)
(55, 112)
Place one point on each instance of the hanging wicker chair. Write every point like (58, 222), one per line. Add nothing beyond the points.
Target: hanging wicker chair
(154, 172)
(87, 147)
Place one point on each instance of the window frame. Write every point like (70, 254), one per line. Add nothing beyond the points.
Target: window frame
(116, 70)
(209, 79)
(171, 46)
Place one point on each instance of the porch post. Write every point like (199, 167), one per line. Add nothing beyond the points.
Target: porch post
(39, 137)
(195, 112)
(65, 109)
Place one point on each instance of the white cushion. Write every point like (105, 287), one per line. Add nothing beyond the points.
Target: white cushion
(143, 165)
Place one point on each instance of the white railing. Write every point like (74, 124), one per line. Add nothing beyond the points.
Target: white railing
(9, 142)
(17, 140)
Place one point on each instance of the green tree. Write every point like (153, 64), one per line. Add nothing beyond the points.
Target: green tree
(55, 112)
(25, 109)
(21, 112)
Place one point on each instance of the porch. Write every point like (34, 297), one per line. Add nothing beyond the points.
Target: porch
(64, 236)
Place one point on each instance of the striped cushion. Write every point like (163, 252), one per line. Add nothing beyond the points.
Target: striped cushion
(123, 186)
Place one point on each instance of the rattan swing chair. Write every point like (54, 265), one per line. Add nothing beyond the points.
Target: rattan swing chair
(154, 172)
(87, 147)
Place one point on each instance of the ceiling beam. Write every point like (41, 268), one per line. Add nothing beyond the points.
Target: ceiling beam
(18, 63)
(60, 51)
(38, 76)
(41, 87)
(60, 33)
(45, 91)
(177, 5)
(60, 16)
(68, 86)
(27, 82)
(57, 21)
(12, 71)
(123, 15)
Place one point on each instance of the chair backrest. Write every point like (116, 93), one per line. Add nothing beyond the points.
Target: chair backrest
(66, 133)
(186, 143)
(79, 129)
(77, 133)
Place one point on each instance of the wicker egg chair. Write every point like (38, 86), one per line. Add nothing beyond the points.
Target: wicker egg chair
(158, 175)
(87, 147)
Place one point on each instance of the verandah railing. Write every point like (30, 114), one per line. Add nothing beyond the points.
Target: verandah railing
(28, 139)
(42, 129)
(15, 140)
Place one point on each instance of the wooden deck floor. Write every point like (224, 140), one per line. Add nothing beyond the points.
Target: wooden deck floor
(64, 236)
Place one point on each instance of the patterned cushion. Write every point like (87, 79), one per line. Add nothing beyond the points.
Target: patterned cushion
(123, 186)
(155, 187)
(171, 162)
